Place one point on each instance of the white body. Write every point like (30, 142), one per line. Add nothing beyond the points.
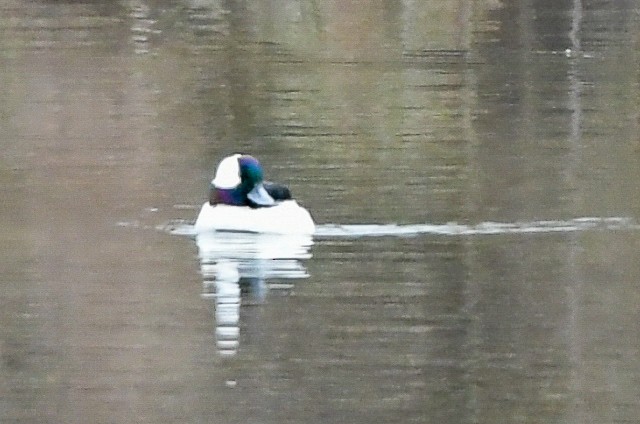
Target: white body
(284, 218)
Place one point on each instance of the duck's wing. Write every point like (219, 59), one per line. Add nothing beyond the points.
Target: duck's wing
(258, 197)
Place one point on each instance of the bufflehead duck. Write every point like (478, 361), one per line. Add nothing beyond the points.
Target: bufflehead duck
(240, 200)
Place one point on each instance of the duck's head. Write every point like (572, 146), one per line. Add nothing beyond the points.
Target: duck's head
(243, 174)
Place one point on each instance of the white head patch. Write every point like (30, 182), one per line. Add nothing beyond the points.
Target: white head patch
(228, 172)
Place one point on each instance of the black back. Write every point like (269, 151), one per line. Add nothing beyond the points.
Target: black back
(277, 191)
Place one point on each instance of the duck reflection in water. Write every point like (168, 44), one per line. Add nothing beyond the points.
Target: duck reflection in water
(237, 267)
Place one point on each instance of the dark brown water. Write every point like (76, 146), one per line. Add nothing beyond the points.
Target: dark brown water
(114, 114)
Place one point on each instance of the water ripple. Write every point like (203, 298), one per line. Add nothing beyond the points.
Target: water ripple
(182, 227)
(484, 228)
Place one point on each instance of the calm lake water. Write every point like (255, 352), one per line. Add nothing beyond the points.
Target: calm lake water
(473, 167)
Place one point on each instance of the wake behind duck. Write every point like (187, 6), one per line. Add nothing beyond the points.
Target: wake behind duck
(241, 201)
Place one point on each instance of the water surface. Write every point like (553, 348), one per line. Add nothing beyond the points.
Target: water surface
(472, 165)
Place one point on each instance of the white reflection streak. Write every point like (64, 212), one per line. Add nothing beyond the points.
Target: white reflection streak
(228, 259)
(221, 282)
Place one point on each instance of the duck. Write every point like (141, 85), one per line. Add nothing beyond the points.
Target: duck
(240, 200)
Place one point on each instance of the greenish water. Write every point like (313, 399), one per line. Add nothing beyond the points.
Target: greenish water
(473, 166)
